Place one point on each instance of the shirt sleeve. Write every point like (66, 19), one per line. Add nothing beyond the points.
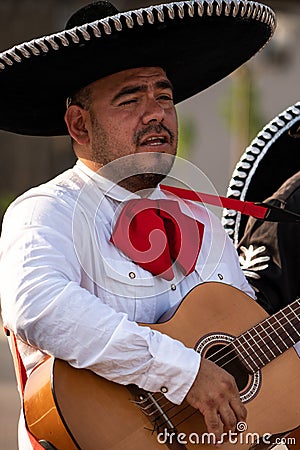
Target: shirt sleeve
(45, 306)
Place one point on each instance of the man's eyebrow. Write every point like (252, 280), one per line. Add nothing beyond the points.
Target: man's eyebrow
(128, 90)
(164, 84)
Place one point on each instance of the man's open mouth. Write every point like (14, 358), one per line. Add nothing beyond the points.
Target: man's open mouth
(155, 141)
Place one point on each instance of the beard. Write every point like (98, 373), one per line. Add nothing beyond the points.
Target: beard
(140, 181)
(133, 171)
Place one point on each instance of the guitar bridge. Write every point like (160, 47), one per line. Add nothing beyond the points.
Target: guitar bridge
(152, 405)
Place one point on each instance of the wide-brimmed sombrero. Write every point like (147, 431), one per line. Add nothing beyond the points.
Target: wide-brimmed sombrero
(270, 160)
(197, 43)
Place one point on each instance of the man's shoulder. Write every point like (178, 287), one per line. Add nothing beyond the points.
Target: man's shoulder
(289, 189)
(65, 185)
(56, 195)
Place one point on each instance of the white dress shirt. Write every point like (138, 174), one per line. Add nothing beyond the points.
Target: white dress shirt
(68, 291)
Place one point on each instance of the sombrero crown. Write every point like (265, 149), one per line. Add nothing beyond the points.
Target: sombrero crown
(197, 42)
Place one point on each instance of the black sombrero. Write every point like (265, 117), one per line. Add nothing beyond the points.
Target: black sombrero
(270, 160)
(197, 42)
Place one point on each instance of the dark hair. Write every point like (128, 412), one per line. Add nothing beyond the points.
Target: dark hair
(82, 98)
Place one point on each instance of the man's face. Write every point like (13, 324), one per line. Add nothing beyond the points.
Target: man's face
(132, 112)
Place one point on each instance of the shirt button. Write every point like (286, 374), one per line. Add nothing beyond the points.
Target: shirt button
(164, 389)
(132, 275)
(173, 287)
(220, 276)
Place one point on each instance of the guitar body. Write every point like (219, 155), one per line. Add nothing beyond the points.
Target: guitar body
(74, 408)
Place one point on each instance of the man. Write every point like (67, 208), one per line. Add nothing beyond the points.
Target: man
(70, 286)
(268, 250)
(276, 276)
(268, 255)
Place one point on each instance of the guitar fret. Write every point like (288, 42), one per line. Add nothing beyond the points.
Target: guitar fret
(292, 326)
(279, 328)
(259, 354)
(245, 356)
(279, 334)
(273, 355)
(289, 315)
(296, 317)
(258, 350)
(269, 338)
(277, 340)
(262, 345)
(288, 326)
(284, 325)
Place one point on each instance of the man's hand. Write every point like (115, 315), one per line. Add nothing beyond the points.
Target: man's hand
(215, 394)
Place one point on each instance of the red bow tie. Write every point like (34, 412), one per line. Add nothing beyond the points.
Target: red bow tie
(153, 233)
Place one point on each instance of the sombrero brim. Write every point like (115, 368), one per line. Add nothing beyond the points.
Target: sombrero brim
(271, 158)
(197, 43)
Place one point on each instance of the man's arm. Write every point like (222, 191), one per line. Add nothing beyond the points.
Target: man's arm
(46, 307)
(44, 304)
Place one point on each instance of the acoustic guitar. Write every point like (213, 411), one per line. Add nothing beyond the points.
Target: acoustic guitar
(76, 409)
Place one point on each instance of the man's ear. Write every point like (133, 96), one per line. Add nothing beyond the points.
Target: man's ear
(76, 119)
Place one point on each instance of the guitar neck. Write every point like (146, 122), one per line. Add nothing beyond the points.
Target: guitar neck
(268, 339)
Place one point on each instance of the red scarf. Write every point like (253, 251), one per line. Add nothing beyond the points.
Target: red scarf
(155, 233)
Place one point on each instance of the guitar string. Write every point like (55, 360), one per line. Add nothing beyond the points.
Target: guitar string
(172, 406)
(171, 417)
(233, 351)
(189, 406)
(269, 327)
(194, 411)
(250, 352)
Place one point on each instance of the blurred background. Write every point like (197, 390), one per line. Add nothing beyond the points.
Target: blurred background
(215, 127)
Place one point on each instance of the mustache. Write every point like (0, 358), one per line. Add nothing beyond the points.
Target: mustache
(157, 128)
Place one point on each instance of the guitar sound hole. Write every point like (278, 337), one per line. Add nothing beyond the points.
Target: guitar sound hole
(225, 357)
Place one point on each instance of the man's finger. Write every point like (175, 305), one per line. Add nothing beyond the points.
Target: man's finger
(228, 418)
(214, 423)
(239, 409)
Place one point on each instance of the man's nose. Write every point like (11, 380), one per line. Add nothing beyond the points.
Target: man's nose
(153, 111)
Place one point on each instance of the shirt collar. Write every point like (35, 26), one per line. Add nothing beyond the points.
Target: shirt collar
(114, 191)
(111, 189)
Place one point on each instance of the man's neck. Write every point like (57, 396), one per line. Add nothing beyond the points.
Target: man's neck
(94, 166)
(143, 184)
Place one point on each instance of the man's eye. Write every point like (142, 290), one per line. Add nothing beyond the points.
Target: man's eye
(128, 102)
(166, 97)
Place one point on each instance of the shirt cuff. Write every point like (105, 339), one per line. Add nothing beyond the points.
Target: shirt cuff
(173, 370)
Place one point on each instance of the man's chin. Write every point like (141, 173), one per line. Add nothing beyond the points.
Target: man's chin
(139, 170)
(142, 181)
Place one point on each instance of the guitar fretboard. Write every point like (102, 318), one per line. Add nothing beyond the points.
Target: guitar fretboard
(269, 338)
